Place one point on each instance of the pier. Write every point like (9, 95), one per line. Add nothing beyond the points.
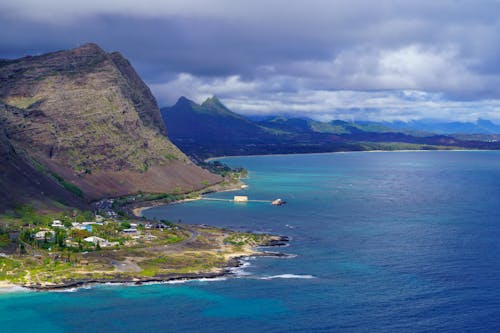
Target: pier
(232, 200)
(242, 198)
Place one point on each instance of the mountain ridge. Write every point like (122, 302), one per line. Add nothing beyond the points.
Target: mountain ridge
(211, 129)
(86, 116)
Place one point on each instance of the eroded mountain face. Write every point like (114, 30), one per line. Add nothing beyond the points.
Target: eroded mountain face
(86, 116)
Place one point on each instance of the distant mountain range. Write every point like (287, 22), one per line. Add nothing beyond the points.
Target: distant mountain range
(481, 126)
(211, 129)
(79, 125)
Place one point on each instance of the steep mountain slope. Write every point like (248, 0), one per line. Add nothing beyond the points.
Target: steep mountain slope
(87, 117)
(211, 127)
(211, 117)
(21, 182)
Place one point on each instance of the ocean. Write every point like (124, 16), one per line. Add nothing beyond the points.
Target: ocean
(383, 242)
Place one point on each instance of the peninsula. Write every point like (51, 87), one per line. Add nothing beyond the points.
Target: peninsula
(81, 249)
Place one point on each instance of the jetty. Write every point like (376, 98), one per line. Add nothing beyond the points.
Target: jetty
(242, 199)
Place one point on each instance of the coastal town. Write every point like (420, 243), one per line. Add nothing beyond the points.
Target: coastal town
(78, 247)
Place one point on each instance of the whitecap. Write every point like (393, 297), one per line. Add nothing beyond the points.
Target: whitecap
(221, 278)
(66, 290)
(240, 270)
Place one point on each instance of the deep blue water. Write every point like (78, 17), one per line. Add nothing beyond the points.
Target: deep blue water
(385, 242)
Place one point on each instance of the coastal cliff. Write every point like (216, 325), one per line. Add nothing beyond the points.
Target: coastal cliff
(85, 119)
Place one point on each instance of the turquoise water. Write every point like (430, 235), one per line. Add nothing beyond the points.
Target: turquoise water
(385, 242)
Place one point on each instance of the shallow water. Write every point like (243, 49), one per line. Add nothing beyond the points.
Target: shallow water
(401, 242)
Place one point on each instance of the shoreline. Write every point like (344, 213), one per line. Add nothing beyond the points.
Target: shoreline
(349, 152)
(137, 211)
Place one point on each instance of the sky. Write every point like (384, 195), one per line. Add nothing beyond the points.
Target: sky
(324, 59)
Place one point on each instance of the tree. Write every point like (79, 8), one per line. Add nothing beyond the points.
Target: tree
(60, 238)
(125, 225)
(78, 234)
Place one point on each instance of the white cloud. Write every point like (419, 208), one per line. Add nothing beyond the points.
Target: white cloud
(251, 98)
(199, 89)
(415, 67)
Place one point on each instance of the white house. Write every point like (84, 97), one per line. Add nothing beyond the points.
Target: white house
(57, 224)
(45, 234)
(100, 241)
(89, 223)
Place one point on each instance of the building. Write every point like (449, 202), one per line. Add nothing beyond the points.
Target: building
(278, 202)
(57, 224)
(100, 241)
(81, 226)
(45, 234)
(71, 243)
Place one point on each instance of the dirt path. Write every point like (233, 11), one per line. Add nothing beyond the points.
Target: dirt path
(126, 266)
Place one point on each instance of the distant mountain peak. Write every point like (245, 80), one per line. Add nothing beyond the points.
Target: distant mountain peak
(184, 101)
(487, 122)
(213, 101)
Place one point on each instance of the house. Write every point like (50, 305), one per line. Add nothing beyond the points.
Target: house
(89, 223)
(57, 224)
(240, 198)
(71, 243)
(96, 240)
(45, 234)
(81, 226)
(100, 241)
(130, 231)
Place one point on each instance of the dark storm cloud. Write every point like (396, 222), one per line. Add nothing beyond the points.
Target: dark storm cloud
(324, 58)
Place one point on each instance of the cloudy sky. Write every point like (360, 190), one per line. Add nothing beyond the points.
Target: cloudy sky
(352, 59)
